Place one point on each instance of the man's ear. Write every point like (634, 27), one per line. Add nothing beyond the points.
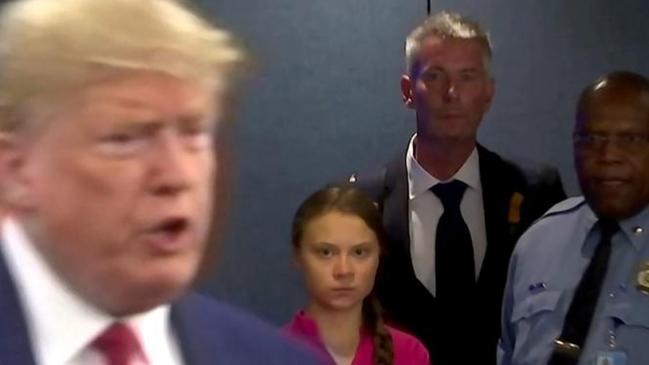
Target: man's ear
(490, 91)
(14, 187)
(406, 91)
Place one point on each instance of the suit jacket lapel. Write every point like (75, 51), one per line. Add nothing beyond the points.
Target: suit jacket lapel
(15, 346)
(196, 340)
(496, 195)
(395, 205)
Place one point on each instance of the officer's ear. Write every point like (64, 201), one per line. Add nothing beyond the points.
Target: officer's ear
(15, 172)
(406, 91)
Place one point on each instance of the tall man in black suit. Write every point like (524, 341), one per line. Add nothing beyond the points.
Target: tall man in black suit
(453, 209)
(111, 144)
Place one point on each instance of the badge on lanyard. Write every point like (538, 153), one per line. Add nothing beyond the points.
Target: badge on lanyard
(643, 278)
(611, 358)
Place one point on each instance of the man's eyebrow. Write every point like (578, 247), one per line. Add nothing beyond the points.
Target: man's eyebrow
(470, 69)
(363, 244)
(323, 243)
(128, 101)
(194, 116)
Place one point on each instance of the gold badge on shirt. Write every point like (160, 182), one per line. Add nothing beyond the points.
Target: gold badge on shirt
(643, 278)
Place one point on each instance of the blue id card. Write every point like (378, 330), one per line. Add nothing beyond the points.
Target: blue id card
(613, 357)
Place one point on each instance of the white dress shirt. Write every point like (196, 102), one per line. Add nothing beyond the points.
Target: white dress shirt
(62, 325)
(425, 209)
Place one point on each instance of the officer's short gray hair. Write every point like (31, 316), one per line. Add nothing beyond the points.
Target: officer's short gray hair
(447, 25)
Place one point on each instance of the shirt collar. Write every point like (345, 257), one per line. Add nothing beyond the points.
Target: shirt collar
(304, 325)
(635, 228)
(61, 323)
(420, 181)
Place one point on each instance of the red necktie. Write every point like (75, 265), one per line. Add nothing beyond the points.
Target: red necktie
(118, 345)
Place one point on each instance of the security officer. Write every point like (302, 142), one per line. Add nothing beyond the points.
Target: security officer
(578, 285)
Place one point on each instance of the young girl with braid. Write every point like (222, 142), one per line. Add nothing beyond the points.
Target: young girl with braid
(337, 239)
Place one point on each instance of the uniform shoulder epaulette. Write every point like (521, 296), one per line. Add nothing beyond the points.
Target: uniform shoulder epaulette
(567, 206)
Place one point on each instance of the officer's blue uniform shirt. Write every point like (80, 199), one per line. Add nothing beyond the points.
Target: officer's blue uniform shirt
(544, 271)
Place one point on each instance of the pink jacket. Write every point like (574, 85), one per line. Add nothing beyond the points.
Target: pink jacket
(407, 349)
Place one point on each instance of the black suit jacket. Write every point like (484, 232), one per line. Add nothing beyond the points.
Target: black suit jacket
(466, 334)
(208, 333)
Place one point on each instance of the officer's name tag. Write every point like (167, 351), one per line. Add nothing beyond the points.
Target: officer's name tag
(611, 358)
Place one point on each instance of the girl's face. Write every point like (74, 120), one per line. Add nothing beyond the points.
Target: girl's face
(339, 255)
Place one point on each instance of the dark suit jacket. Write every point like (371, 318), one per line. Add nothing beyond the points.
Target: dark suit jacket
(209, 333)
(468, 333)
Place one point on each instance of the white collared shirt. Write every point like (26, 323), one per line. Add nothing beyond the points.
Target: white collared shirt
(61, 324)
(425, 209)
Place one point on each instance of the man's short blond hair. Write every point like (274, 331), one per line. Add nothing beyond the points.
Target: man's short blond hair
(446, 25)
(49, 46)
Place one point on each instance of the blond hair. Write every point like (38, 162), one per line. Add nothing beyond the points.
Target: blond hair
(447, 25)
(48, 46)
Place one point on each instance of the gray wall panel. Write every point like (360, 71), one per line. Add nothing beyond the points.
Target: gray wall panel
(325, 101)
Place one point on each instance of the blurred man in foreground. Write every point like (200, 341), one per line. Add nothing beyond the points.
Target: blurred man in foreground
(110, 128)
